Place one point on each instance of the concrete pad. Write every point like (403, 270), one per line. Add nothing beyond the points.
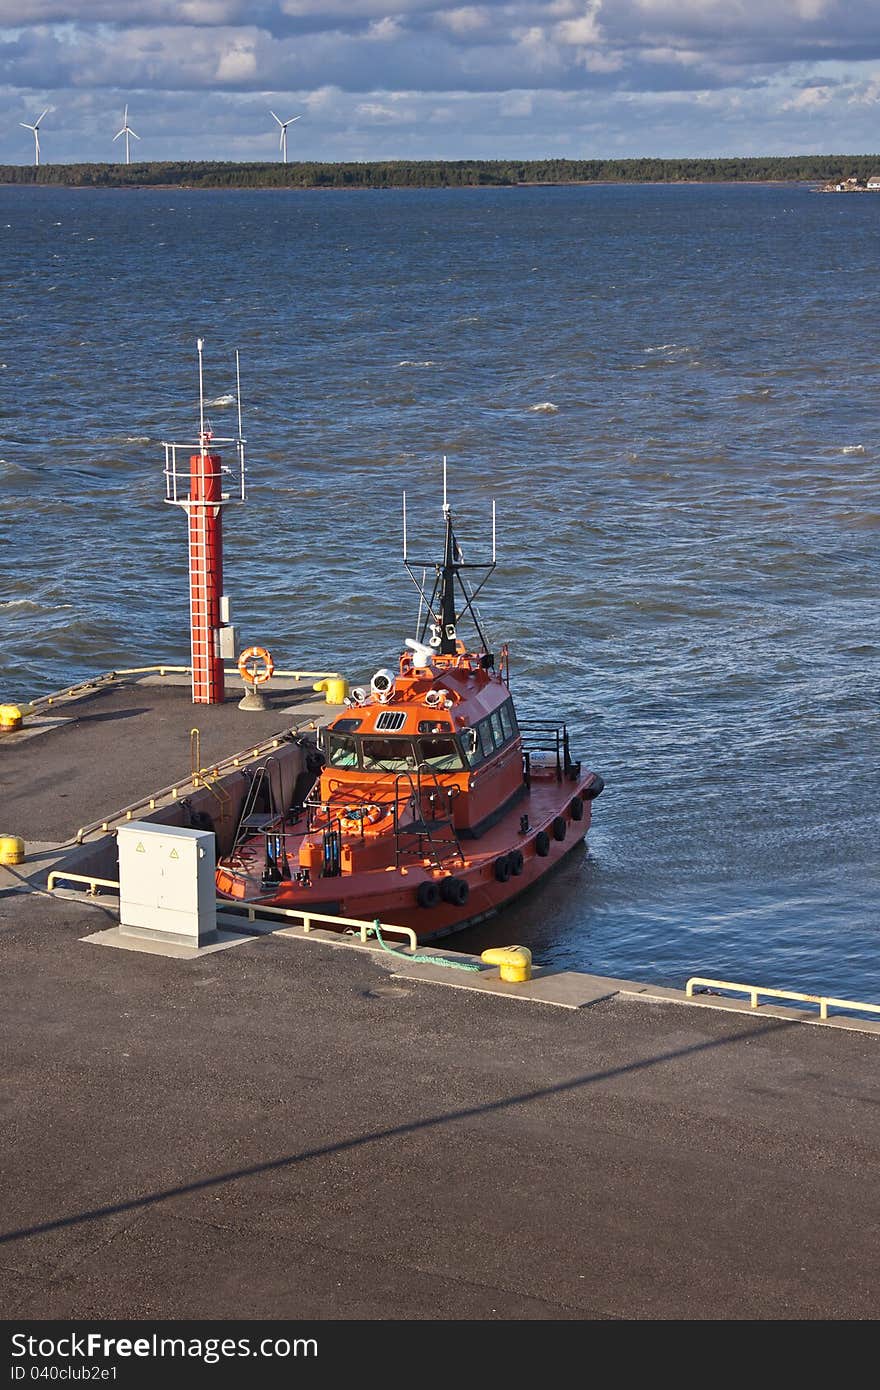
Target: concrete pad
(731, 1004)
(125, 941)
(566, 989)
(361, 1148)
(33, 725)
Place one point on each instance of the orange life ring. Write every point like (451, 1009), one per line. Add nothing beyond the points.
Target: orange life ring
(356, 817)
(255, 676)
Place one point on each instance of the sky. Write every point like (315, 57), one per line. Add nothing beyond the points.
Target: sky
(419, 79)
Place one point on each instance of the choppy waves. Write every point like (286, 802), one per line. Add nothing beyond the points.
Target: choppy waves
(686, 481)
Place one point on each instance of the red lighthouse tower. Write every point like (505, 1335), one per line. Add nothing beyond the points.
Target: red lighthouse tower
(194, 480)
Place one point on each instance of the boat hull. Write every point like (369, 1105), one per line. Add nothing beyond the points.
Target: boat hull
(533, 837)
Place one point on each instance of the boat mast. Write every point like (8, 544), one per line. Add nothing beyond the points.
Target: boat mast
(448, 615)
(442, 612)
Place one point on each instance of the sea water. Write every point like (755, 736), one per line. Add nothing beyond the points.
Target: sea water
(672, 395)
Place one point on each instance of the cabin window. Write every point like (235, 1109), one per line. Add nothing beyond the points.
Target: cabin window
(347, 726)
(388, 754)
(492, 733)
(508, 719)
(434, 726)
(341, 751)
(471, 743)
(442, 754)
(484, 737)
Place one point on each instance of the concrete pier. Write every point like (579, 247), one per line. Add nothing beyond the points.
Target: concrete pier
(297, 1129)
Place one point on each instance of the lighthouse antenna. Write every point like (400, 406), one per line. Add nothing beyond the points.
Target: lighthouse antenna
(200, 343)
(238, 393)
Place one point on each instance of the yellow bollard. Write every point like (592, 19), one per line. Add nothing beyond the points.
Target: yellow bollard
(11, 718)
(334, 688)
(11, 849)
(515, 962)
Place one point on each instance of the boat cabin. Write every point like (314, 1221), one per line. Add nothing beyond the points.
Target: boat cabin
(453, 724)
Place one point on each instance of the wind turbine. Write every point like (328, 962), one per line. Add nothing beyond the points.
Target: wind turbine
(284, 124)
(36, 129)
(126, 131)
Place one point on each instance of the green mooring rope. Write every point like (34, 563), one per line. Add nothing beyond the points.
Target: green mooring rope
(428, 960)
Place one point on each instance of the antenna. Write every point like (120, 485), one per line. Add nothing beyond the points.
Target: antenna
(238, 392)
(404, 528)
(453, 596)
(421, 600)
(200, 343)
(36, 129)
(126, 131)
(282, 142)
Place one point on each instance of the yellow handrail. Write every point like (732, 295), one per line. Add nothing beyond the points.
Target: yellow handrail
(224, 765)
(308, 918)
(825, 1001)
(80, 878)
(251, 910)
(163, 669)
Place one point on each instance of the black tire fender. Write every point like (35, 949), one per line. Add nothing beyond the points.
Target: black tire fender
(455, 891)
(517, 863)
(502, 868)
(595, 788)
(559, 828)
(542, 844)
(428, 894)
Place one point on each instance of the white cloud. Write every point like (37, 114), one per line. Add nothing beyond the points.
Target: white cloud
(581, 31)
(384, 30)
(378, 112)
(810, 99)
(466, 20)
(774, 63)
(537, 49)
(867, 93)
(517, 104)
(237, 64)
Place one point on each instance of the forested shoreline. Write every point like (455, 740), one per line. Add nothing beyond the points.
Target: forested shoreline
(447, 173)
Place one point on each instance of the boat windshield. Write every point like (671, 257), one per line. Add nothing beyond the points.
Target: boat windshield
(388, 754)
(341, 751)
(394, 754)
(443, 754)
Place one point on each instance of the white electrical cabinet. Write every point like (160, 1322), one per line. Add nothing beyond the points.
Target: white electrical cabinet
(166, 883)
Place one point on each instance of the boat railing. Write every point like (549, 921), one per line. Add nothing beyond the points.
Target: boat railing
(426, 816)
(545, 736)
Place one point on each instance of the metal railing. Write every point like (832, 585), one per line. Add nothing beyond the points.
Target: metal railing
(254, 911)
(545, 736)
(178, 471)
(161, 669)
(149, 803)
(94, 883)
(825, 1001)
(426, 803)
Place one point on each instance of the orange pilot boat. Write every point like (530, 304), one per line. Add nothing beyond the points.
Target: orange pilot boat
(434, 807)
